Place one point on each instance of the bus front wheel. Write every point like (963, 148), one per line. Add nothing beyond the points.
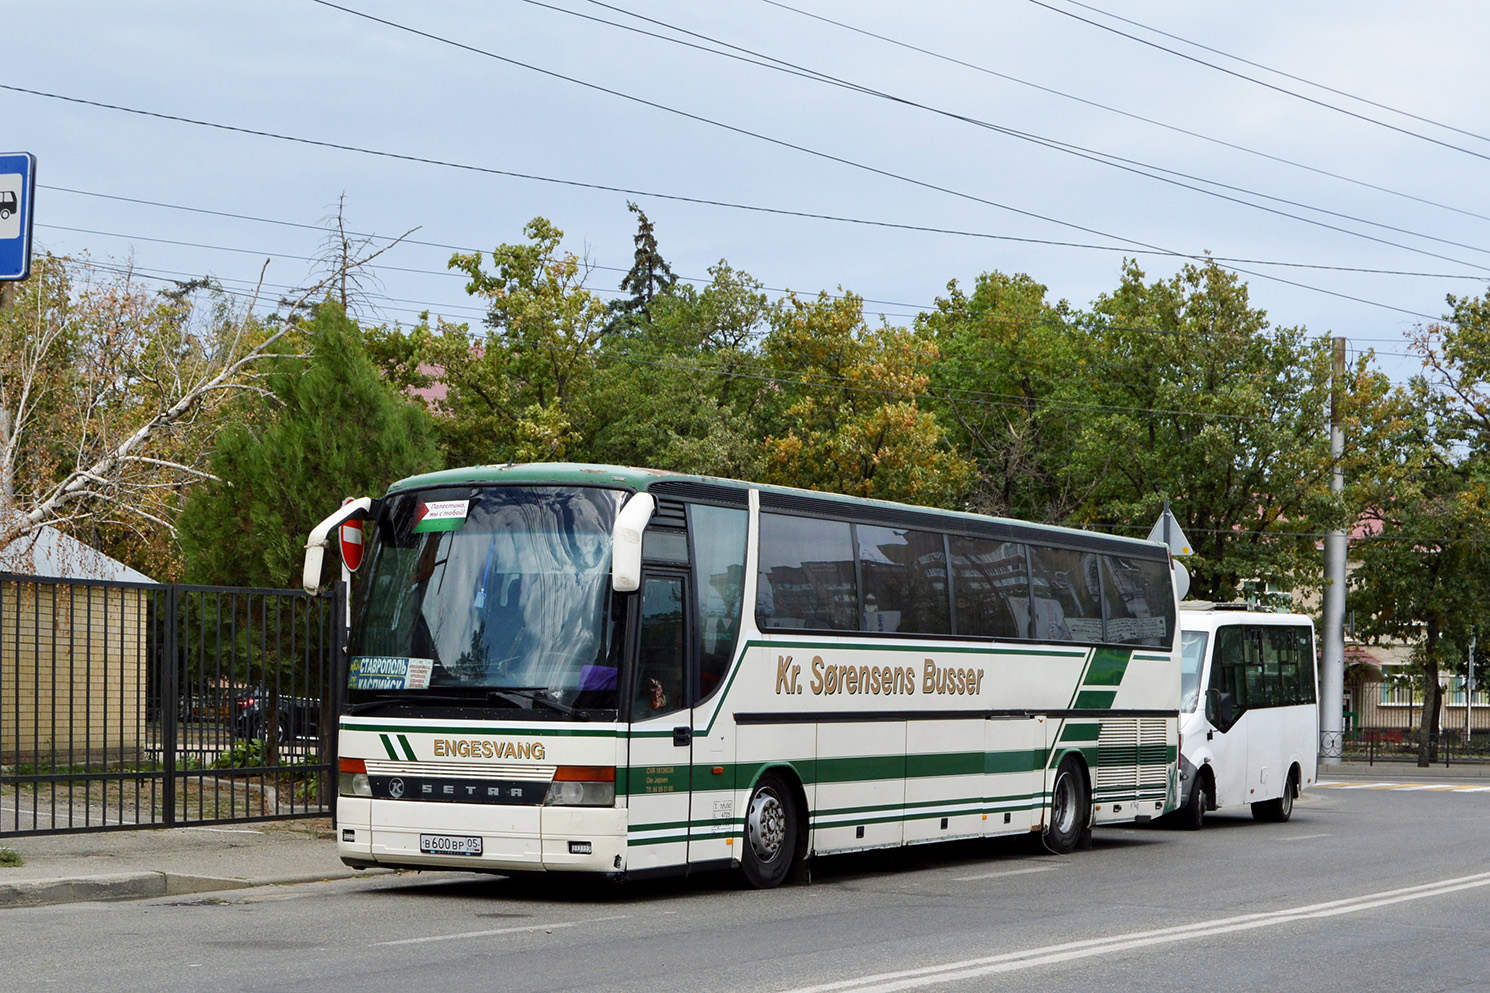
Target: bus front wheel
(1192, 814)
(771, 833)
(1070, 813)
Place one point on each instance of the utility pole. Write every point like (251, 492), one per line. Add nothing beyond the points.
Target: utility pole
(1469, 695)
(1332, 675)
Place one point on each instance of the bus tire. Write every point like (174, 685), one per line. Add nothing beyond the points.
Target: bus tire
(1070, 809)
(772, 832)
(1279, 809)
(1192, 814)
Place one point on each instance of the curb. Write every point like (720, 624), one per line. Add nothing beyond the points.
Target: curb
(143, 886)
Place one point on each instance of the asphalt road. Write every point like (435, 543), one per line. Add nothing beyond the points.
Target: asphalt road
(1363, 890)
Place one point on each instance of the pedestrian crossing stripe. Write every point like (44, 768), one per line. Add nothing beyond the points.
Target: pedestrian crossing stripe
(1404, 787)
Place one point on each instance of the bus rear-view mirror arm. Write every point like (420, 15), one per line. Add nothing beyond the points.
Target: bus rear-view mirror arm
(320, 536)
(626, 542)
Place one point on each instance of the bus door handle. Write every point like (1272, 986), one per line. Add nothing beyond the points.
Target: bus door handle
(682, 736)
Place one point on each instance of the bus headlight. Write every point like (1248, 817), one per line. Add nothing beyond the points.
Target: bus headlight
(351, 778)
(582, 786)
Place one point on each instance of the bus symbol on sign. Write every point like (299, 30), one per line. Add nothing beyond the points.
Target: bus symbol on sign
(17, 186)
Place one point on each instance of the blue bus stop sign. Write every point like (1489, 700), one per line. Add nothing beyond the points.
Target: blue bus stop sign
(17, 191)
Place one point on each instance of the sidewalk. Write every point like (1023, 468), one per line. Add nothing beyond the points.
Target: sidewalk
(132, 865)
(121, 865)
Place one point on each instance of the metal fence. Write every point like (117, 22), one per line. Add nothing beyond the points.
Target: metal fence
(138, 705)
(1384, 720)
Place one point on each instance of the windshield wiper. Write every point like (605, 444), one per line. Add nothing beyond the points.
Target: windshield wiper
(536, 694)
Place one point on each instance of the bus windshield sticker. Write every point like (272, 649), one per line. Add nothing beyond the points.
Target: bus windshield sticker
(389, 673)
(441, 515)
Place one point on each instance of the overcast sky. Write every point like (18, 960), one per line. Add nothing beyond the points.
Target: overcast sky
(598, 114)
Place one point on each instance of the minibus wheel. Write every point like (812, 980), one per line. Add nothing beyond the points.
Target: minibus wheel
(1279, 809)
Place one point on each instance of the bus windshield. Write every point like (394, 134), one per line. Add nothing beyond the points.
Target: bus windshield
(492, 596)
(1192, 645)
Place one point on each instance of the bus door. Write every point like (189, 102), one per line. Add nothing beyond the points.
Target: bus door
(660, 784)
(1226, 710)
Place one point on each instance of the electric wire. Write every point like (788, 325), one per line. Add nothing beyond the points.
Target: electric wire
(1280, 72)
(1263, 83)
(1318, 266)
(1124, 113)
(1162, 174)
(849, 162)
(665, 196)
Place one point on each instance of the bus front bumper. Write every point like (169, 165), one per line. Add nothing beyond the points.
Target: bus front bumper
(400, 834)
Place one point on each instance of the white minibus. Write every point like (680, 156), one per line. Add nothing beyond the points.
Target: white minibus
(1249, 724)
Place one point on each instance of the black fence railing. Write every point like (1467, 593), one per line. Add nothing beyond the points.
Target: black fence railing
(129, 705)
(1385, 726)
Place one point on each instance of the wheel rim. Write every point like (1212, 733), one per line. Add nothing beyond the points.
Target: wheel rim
(1285, 803)
(765, 825)
(1063, 805)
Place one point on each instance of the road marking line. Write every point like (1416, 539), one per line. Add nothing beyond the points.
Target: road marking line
(1472, 789)
(1004, 872)
(906, 979)
(1305, 837)
(1369, 786)
(504, 930)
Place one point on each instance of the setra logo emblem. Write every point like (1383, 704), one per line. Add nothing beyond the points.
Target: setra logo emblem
(396, 788)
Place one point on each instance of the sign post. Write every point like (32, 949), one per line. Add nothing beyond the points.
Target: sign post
(17, 192)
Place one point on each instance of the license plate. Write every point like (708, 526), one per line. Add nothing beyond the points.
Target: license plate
(449, 844)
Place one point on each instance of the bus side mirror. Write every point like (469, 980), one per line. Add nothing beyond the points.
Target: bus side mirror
(626, 542)
(315, 545)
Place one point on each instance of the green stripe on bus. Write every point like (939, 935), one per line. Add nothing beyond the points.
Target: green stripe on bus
(1095, 699)
(1081, 732)
(408, 748)
(1108, 666)
(388, 747)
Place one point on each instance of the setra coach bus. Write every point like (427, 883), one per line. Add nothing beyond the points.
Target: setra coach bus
(582, 668)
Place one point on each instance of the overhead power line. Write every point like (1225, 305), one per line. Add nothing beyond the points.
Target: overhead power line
(1263, 83)
(314, 142)
(1172, 177)
(1280, 72)
(1318, 266)
(941, 56)
(851, 163)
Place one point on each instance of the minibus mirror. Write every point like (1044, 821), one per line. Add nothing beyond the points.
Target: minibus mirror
(626, 542)
(1225, 707)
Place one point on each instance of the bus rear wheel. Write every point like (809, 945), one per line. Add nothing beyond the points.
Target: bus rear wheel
(1070, 809)
(772, 830)
(1280, 808)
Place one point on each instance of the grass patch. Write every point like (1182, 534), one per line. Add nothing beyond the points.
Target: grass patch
(10, 857)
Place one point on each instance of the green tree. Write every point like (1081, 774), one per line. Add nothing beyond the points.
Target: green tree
(683, 389)
(1005, 351)
(1423, 565)
(649, 277)
(328, 427)
(849, 417)
(519, 391)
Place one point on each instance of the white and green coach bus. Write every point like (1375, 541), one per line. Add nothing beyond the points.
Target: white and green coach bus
(629, 672)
